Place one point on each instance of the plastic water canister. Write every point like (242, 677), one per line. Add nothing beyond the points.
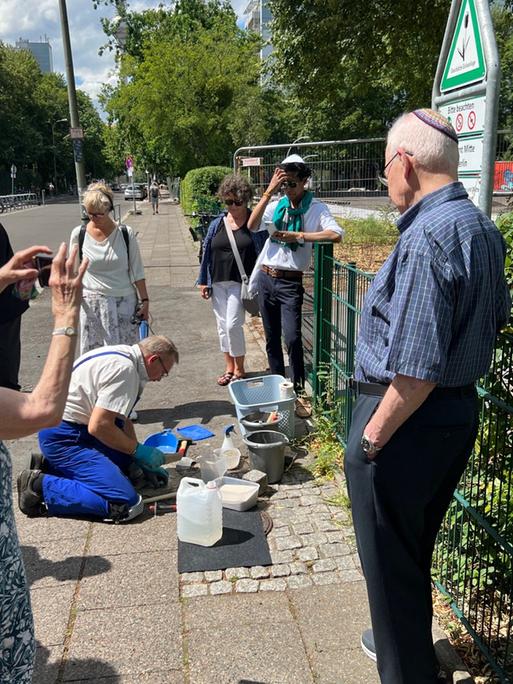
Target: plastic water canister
(199, 510)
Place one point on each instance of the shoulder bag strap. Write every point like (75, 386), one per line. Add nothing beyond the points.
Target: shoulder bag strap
(235, 250)
(81, 238)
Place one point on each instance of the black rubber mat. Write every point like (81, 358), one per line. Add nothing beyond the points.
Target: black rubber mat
(243, 544)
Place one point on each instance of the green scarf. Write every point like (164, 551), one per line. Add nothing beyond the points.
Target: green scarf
(295, 217)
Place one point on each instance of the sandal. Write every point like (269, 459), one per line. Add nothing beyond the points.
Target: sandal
(237, 377)
(225, 379)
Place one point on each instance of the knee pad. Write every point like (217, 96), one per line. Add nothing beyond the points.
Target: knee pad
(123, 513)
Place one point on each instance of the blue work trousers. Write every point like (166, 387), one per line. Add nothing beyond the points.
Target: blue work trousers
(82, 475)
(280, 303)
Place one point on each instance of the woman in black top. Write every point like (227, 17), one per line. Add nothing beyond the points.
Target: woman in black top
(220, 276)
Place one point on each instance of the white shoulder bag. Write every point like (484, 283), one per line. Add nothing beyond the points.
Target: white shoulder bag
(249, 301)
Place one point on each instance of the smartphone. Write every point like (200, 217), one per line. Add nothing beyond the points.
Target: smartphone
(43, 263)
(271, 228)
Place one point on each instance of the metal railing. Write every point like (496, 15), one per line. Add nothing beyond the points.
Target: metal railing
(18, 201)
(473, 561)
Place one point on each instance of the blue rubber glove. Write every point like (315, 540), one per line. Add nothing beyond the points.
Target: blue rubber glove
(148, 457)
(157, 478)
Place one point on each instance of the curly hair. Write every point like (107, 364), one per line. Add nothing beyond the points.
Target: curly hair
(98, 197)
(238, 186)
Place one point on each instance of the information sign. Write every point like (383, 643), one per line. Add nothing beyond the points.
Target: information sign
(466, 62)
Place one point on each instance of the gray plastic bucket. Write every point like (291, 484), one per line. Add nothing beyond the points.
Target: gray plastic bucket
(267, 452)
(256, 421)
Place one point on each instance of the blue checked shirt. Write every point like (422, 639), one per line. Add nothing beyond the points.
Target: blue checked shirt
(436, 305)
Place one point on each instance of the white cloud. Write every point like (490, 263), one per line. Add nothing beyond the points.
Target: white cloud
(35, 19)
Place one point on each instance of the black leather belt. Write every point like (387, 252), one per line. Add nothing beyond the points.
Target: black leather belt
(282, 273)
(377, 389)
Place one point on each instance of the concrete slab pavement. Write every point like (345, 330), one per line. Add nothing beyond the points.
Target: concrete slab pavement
(108, 601)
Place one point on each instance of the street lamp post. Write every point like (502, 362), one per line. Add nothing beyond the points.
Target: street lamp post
(73, 108)
(53, 124)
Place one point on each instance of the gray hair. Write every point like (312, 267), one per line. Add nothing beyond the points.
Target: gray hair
(432, 149)
(236, 185)
(98, 197)
(160, 345)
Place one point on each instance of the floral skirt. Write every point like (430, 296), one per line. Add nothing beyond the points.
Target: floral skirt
(17, 641)
(107, 320)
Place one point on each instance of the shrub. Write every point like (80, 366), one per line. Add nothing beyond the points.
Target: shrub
(199, 187)
(505, 225)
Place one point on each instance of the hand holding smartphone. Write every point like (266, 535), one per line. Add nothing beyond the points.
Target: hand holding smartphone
(43, 263)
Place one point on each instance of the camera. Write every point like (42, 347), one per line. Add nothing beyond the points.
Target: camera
(43, 263)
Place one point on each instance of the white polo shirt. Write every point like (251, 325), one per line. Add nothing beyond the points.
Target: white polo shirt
(110, 377)
(317, 218)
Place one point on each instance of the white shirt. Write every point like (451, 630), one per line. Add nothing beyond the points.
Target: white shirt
(317, 218)
(112, 381)
(108, 272)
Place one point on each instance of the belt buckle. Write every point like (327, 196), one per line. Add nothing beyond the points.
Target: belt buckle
(353, 385)
(274, 272)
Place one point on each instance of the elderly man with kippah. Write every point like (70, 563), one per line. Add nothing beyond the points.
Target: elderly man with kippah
(427, 332)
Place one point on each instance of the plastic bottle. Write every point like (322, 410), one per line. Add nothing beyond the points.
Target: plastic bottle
(199, 510)
(229, 450)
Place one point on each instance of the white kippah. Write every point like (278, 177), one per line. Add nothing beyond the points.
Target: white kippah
(293, 159)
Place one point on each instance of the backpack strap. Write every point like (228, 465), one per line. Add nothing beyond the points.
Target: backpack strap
(81, 238)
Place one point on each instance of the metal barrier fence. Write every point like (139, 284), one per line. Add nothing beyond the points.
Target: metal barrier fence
(19, 201)
(473, 561)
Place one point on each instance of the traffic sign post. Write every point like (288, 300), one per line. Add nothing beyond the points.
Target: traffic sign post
(466, 91)
(13, 176)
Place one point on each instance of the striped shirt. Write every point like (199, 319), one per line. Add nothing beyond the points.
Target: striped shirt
(436, 305)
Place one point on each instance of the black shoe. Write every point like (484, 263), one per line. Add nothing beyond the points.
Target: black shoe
(367, 643)
(36, 461)
(29, 501)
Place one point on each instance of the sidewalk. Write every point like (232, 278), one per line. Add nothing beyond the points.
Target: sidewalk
(109, 604)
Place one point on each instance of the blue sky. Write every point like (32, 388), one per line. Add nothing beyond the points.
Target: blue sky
(35, 19)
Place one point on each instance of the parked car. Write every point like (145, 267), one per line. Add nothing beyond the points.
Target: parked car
(137, 190)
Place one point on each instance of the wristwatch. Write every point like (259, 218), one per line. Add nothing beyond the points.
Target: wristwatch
(368, 446)
(68, 331)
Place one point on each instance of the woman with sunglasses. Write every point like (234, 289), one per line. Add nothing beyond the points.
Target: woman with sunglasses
(114, 282)
(219, 276)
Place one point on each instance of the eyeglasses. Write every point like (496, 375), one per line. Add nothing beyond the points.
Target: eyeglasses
(165, 372)
(90, 213)
(289, 184)
(238, 203)
(383, 178)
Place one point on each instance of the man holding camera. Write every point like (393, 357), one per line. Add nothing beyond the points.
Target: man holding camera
(294, 223)
(88, 457)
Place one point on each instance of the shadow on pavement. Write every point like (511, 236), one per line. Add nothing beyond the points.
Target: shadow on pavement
(63, 570)
(172, 416)
(89, 670)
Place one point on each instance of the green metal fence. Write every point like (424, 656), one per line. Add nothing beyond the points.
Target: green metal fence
(473, 561)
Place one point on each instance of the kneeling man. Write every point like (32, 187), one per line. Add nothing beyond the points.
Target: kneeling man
(87, 457)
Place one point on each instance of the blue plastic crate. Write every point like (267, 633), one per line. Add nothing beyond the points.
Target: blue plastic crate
(251, 394)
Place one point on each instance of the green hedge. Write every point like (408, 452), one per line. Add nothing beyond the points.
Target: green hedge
(199, 187)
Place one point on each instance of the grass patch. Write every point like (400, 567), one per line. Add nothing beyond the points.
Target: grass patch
(367, 241)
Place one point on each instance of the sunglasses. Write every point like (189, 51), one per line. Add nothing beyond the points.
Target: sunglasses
(165, 372)
(238, 203)
(95, 215)
(289, 184)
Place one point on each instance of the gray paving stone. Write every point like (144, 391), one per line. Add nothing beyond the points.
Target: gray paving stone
(192, 590)
(51, 608)
(273, 585)
(213, 575)
(280, 532)
(303, 527)
(287, 543)
(325, 565)
(187, 577)
(124, 587)
(246, 586)
(270, 653)
(293, 494)
(279, 557)
(332, 550)
(309, 553)
(345, 563)
(47, 663)
(351, 575)
(280, 570)
(128, 640)
(259, 572)
(326, 578)
(314, 539)
(338, 536)
(236, 573)
(222, 587)
(319, 509)
(55, 563)
(299, 581)
(298, 568)
(169, 677)
(308, 500)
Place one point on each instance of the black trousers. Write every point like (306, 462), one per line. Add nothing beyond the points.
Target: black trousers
(280, 304)
(10, 353)
(398, 503)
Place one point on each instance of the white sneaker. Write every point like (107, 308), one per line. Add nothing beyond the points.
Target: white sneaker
(133, 416)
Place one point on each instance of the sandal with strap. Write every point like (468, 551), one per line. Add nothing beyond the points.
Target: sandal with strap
(225, 379)
(237, 377)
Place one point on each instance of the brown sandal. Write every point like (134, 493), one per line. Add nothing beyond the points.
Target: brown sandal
(225, 379)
